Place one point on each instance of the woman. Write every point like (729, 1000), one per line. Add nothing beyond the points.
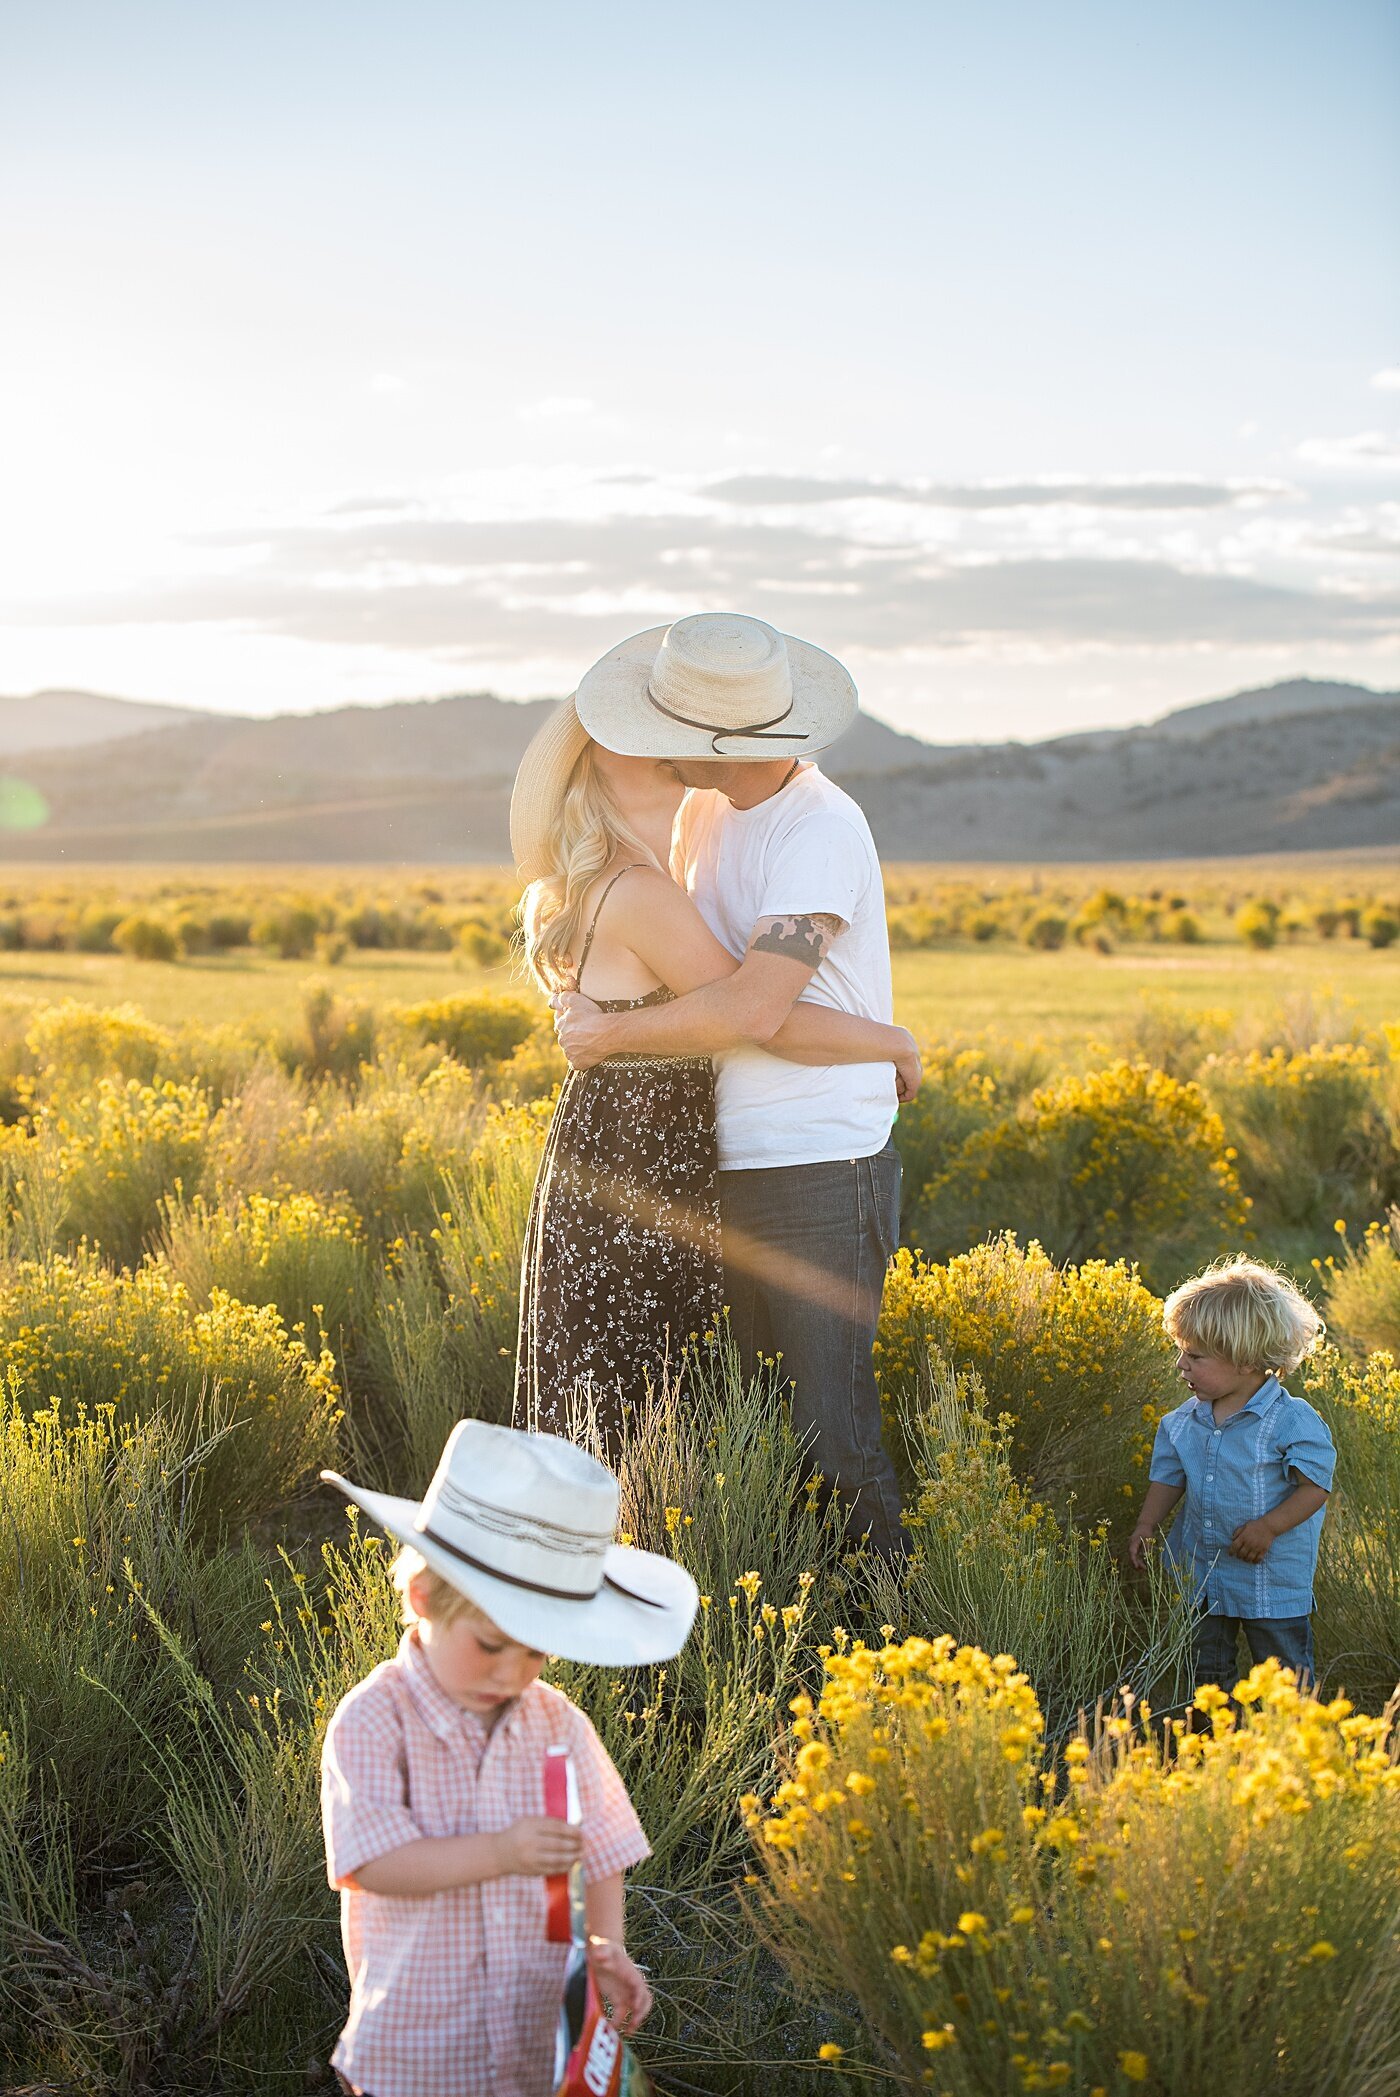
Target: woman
(622, 1258)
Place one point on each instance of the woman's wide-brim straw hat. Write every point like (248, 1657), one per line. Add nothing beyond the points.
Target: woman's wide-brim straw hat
(715, 685)
(523, 1525)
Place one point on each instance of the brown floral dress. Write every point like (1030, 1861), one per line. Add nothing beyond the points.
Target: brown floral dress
(621, 1261)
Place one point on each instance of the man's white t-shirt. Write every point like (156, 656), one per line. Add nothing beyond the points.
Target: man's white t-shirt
(805, 851)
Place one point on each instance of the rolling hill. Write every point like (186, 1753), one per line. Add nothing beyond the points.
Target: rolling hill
(1298, 765)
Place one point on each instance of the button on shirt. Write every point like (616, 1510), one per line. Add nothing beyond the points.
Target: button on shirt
(455, 1994)
(1233, 1474)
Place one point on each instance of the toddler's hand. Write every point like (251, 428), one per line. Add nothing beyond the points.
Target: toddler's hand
(537, 1848)
(621, 1983)
(1137, 1548)
(1251, 1541)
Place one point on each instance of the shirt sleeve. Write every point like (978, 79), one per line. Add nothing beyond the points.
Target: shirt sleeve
(1306, 1446)
(364, 1787)
(1166, 1467)
(613, 1838)
(820, 868)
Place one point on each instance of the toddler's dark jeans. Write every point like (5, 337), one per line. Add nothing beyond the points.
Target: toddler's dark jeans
(1284, 1638)
(805, 1252)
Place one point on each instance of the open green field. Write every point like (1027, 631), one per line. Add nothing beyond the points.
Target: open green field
(276, 1224)
(941, 994)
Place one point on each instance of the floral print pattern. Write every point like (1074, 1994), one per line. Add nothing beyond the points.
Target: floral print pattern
(622, 1259)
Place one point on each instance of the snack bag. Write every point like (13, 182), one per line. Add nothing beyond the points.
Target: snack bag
(591, 2059)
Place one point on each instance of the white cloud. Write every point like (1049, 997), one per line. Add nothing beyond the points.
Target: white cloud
(1367, 448)
(1388, 380)
(559, 407)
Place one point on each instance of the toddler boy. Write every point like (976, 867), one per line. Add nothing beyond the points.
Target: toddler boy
(433, 1769)
(1255, 1465)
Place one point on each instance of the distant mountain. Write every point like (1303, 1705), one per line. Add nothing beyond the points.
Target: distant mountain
(429, 780)
(68, 720)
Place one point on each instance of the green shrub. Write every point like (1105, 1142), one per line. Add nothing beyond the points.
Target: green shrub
(113, 1156)
(1047, 931)
(1379, 926)
(1122, 1161)
(1257, 926)
(307, 1257)
(1358, 1572)
(71, 1046)
(1183, 928)
(1310, 1137)
(77, 1336)
(145, 939)
(87, 1495)
(288, 931)
(1076, 1357)
(335, 1039)
(443, 1345)
(1363, 1290)
(93, 933)
(473, 1030)
(479, 944)
(995, 1567)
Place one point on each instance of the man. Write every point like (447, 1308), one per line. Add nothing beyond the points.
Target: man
(783, 868)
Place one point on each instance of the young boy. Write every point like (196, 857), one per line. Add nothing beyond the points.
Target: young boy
(1254, 1463)
(433, 1769)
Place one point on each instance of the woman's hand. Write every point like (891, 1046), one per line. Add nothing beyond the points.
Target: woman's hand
(621, 1982)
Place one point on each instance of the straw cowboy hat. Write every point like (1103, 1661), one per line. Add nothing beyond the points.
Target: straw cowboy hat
(715, 685)
(522, 1525)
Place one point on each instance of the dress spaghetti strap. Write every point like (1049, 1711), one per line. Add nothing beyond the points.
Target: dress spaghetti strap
(588, 940)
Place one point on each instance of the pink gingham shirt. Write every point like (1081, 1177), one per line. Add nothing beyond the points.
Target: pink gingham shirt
(454, 1994)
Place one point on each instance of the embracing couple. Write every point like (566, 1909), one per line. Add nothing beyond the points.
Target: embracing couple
(707, 913)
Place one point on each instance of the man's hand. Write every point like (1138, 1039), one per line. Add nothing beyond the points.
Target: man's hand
(621, 1983)
(1137, 1548)
(1251, 1541)
(581, 1028)
(538, 1848)
(908, 1073)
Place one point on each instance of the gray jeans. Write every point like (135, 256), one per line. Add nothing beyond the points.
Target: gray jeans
(805, 1251)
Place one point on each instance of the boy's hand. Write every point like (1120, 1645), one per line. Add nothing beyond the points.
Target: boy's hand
(1251, 1541)
(1137, 1547)
(538, 1848)
(621, 1983)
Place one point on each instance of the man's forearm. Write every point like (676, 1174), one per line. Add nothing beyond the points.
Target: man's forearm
(704, 1022)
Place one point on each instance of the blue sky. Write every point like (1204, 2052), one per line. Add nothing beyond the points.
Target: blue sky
(1044, 363)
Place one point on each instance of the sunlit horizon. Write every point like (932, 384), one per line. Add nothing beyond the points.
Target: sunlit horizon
(1047, 371)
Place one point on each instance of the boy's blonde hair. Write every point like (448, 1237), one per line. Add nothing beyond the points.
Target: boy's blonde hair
(1246, 1313)
(445, 1602)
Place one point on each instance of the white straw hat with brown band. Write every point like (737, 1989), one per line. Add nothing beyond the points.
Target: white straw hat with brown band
(715, 685)
(523, 1525)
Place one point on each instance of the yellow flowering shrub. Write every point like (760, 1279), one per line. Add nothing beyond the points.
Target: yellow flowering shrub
(106, 1160)
(306, 1256)
(1124, 1162)
(1160, 1909)
(484, 1028)
(75, 1334)
(1075, 1356)
(1311, 1135)
(1363, 1287)
(71, 1046)
(996, 1567)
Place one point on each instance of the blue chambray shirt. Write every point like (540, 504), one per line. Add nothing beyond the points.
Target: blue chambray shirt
(1234, 1474)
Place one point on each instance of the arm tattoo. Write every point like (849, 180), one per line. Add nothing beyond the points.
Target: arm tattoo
(804, 939)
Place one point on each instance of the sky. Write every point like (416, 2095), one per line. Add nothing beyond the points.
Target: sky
(1041, 362)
